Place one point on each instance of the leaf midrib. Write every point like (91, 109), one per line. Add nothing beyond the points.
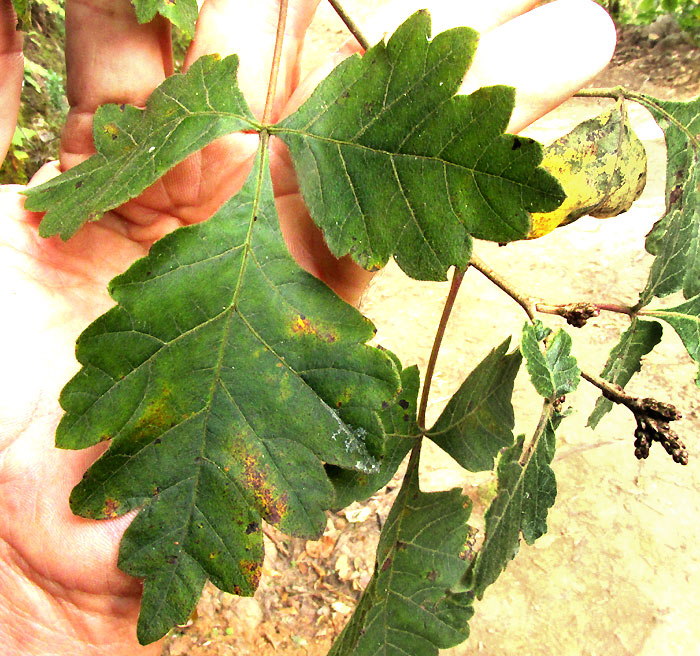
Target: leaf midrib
(430, 158)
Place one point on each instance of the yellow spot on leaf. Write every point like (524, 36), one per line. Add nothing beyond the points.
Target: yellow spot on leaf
(110, 508)
(111, 129)
(601, 164)
(302, 325)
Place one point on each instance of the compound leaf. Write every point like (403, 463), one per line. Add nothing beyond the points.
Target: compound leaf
(625, 360)
(401, 427)
(685, 320)
(182, 13)
(225, 377)
(408, 607)
(135, 147)
(391, 163)
(525, 493)
(675, 239)
(478, 420)
(553, 372)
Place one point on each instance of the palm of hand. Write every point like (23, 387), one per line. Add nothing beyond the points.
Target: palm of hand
(57, 289)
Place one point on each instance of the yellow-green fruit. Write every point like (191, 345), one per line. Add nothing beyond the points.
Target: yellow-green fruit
(602, 166)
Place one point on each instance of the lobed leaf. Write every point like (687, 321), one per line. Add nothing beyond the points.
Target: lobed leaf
(553, 372)
(135, 147)
(225, 377)
(478, 420)
(525, 494)
(391, 163)
(401, 427)
(182, 13)
(675, 239)
(408, 607)
(685, 320)
(625, 360)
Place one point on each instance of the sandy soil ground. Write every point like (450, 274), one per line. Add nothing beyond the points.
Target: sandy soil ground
(618, 572)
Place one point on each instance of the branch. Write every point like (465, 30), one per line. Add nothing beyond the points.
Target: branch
(652, 418)
(577, 314)
(457, 278)
(525, 302)
(620, 92)
(350, 24)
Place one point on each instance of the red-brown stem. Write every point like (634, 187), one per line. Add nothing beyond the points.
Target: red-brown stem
(457, 278)
(620, 309)
(525, 302)
(276, 58)
(349, 23)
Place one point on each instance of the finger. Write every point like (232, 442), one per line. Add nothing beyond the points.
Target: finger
(444, 14)
(109, 58)
(547, 54)
(248, 29)
(11, 74)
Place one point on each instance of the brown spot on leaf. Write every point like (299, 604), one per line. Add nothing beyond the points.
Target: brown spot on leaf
(675, 194)
(252, 570)
(302, 325)
(110, 508)
(252, 528)
(272, 507)
(157, 418)
(387, 564)
(432, 575)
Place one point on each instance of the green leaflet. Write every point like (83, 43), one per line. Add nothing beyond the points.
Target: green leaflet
(407, 607)
(685, 320)
(136, 147)
(401, 427)
(525, 494)
(182, 13)
(554, 372)
(625, 360)
(391, 163)
(675, 239)
(225, 377)
(478, 420)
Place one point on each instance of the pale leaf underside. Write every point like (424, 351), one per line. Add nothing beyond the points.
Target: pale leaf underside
(553, 372)
(625, 360)
(675, 239)
(685, 320)
(525, 494)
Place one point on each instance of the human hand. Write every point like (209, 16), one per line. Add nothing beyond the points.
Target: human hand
(60, 589)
